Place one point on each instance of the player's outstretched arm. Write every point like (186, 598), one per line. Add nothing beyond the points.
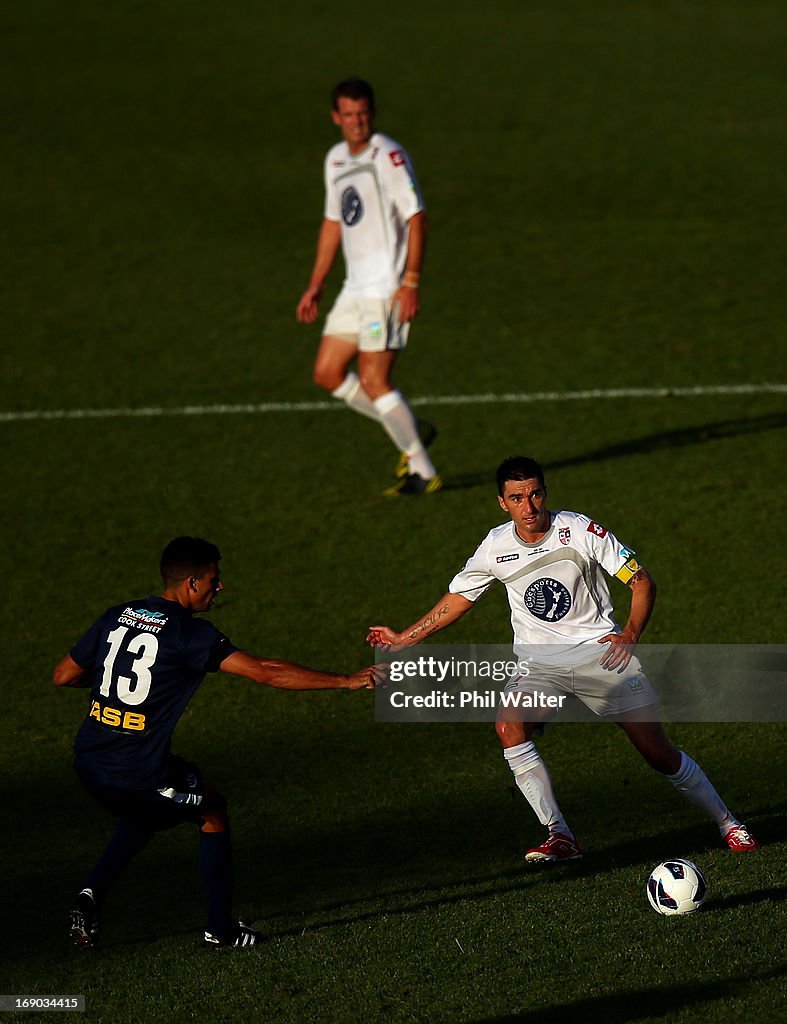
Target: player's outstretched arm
(68, 673)
(285, 675)
(448, 609)
(621, 645)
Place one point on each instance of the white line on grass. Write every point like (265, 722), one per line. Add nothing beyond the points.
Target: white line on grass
(522, 398)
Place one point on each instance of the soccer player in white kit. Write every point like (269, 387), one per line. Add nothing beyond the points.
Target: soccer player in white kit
(561, 612)
(375, 213)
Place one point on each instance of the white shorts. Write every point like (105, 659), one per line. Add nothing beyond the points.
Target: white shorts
(370, 323)
(607, 694)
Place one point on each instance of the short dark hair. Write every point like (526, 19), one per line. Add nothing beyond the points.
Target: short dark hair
(518, 467)
(353, 88)
(187, 556)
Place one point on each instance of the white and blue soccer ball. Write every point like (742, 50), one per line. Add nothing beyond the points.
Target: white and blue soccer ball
(677, 886)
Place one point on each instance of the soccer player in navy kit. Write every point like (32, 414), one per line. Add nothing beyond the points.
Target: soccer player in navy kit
(144, 660)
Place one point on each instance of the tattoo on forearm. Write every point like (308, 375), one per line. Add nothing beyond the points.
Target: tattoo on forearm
(640, 574)
(428, 624)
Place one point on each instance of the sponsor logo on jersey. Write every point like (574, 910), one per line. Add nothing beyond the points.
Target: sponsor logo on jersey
(547, 599)
(337, 163)
(141, 618)
(564, 534)
(352, 206)
(599, 531)
(507, 558)
(129, 721)
(537, 551)
(375, 151)
(397, 158)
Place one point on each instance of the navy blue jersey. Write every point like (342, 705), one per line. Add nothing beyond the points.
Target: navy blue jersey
(146, 659)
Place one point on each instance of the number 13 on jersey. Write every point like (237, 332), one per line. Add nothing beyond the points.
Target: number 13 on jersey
(126, 689)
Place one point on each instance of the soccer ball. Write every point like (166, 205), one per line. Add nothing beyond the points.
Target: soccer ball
(676, 887)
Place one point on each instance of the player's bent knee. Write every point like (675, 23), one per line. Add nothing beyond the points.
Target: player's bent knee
(665, 761)
(510, 733)
(214, 820)
(214, 815)
(656, 750)
(375, 385)
(214, 823)
(327, 378)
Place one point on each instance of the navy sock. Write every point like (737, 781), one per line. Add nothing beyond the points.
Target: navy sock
(215, 865)
(121, 849)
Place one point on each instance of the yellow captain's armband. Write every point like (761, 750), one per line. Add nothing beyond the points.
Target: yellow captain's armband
(627, 570)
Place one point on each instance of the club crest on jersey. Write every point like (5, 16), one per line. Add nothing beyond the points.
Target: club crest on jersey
(564, 534)
(352, 206)
(548, 599)
(599, 531)
(507, 558)
(397, 158)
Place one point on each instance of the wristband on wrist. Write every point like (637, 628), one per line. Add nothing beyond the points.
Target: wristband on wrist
(412, 279)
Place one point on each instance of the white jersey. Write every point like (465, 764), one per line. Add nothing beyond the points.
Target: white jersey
(372, 195)
(557, 594)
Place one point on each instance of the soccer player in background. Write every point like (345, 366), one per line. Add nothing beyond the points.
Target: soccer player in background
(373, 211)
(143, 661)
(561, 612)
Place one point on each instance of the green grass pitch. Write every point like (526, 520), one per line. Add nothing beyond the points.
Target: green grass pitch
(607, 197)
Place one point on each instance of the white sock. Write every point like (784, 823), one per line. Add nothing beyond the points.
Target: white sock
(532, 778)
(351, 392)
(400, 424)
(693, 783)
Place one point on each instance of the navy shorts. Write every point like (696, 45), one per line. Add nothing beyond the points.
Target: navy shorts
(179, 800)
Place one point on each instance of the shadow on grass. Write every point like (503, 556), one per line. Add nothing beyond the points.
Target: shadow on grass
(641, 1004)
(316, 878)
(411, 899)
(746, 899)
(682, 437)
